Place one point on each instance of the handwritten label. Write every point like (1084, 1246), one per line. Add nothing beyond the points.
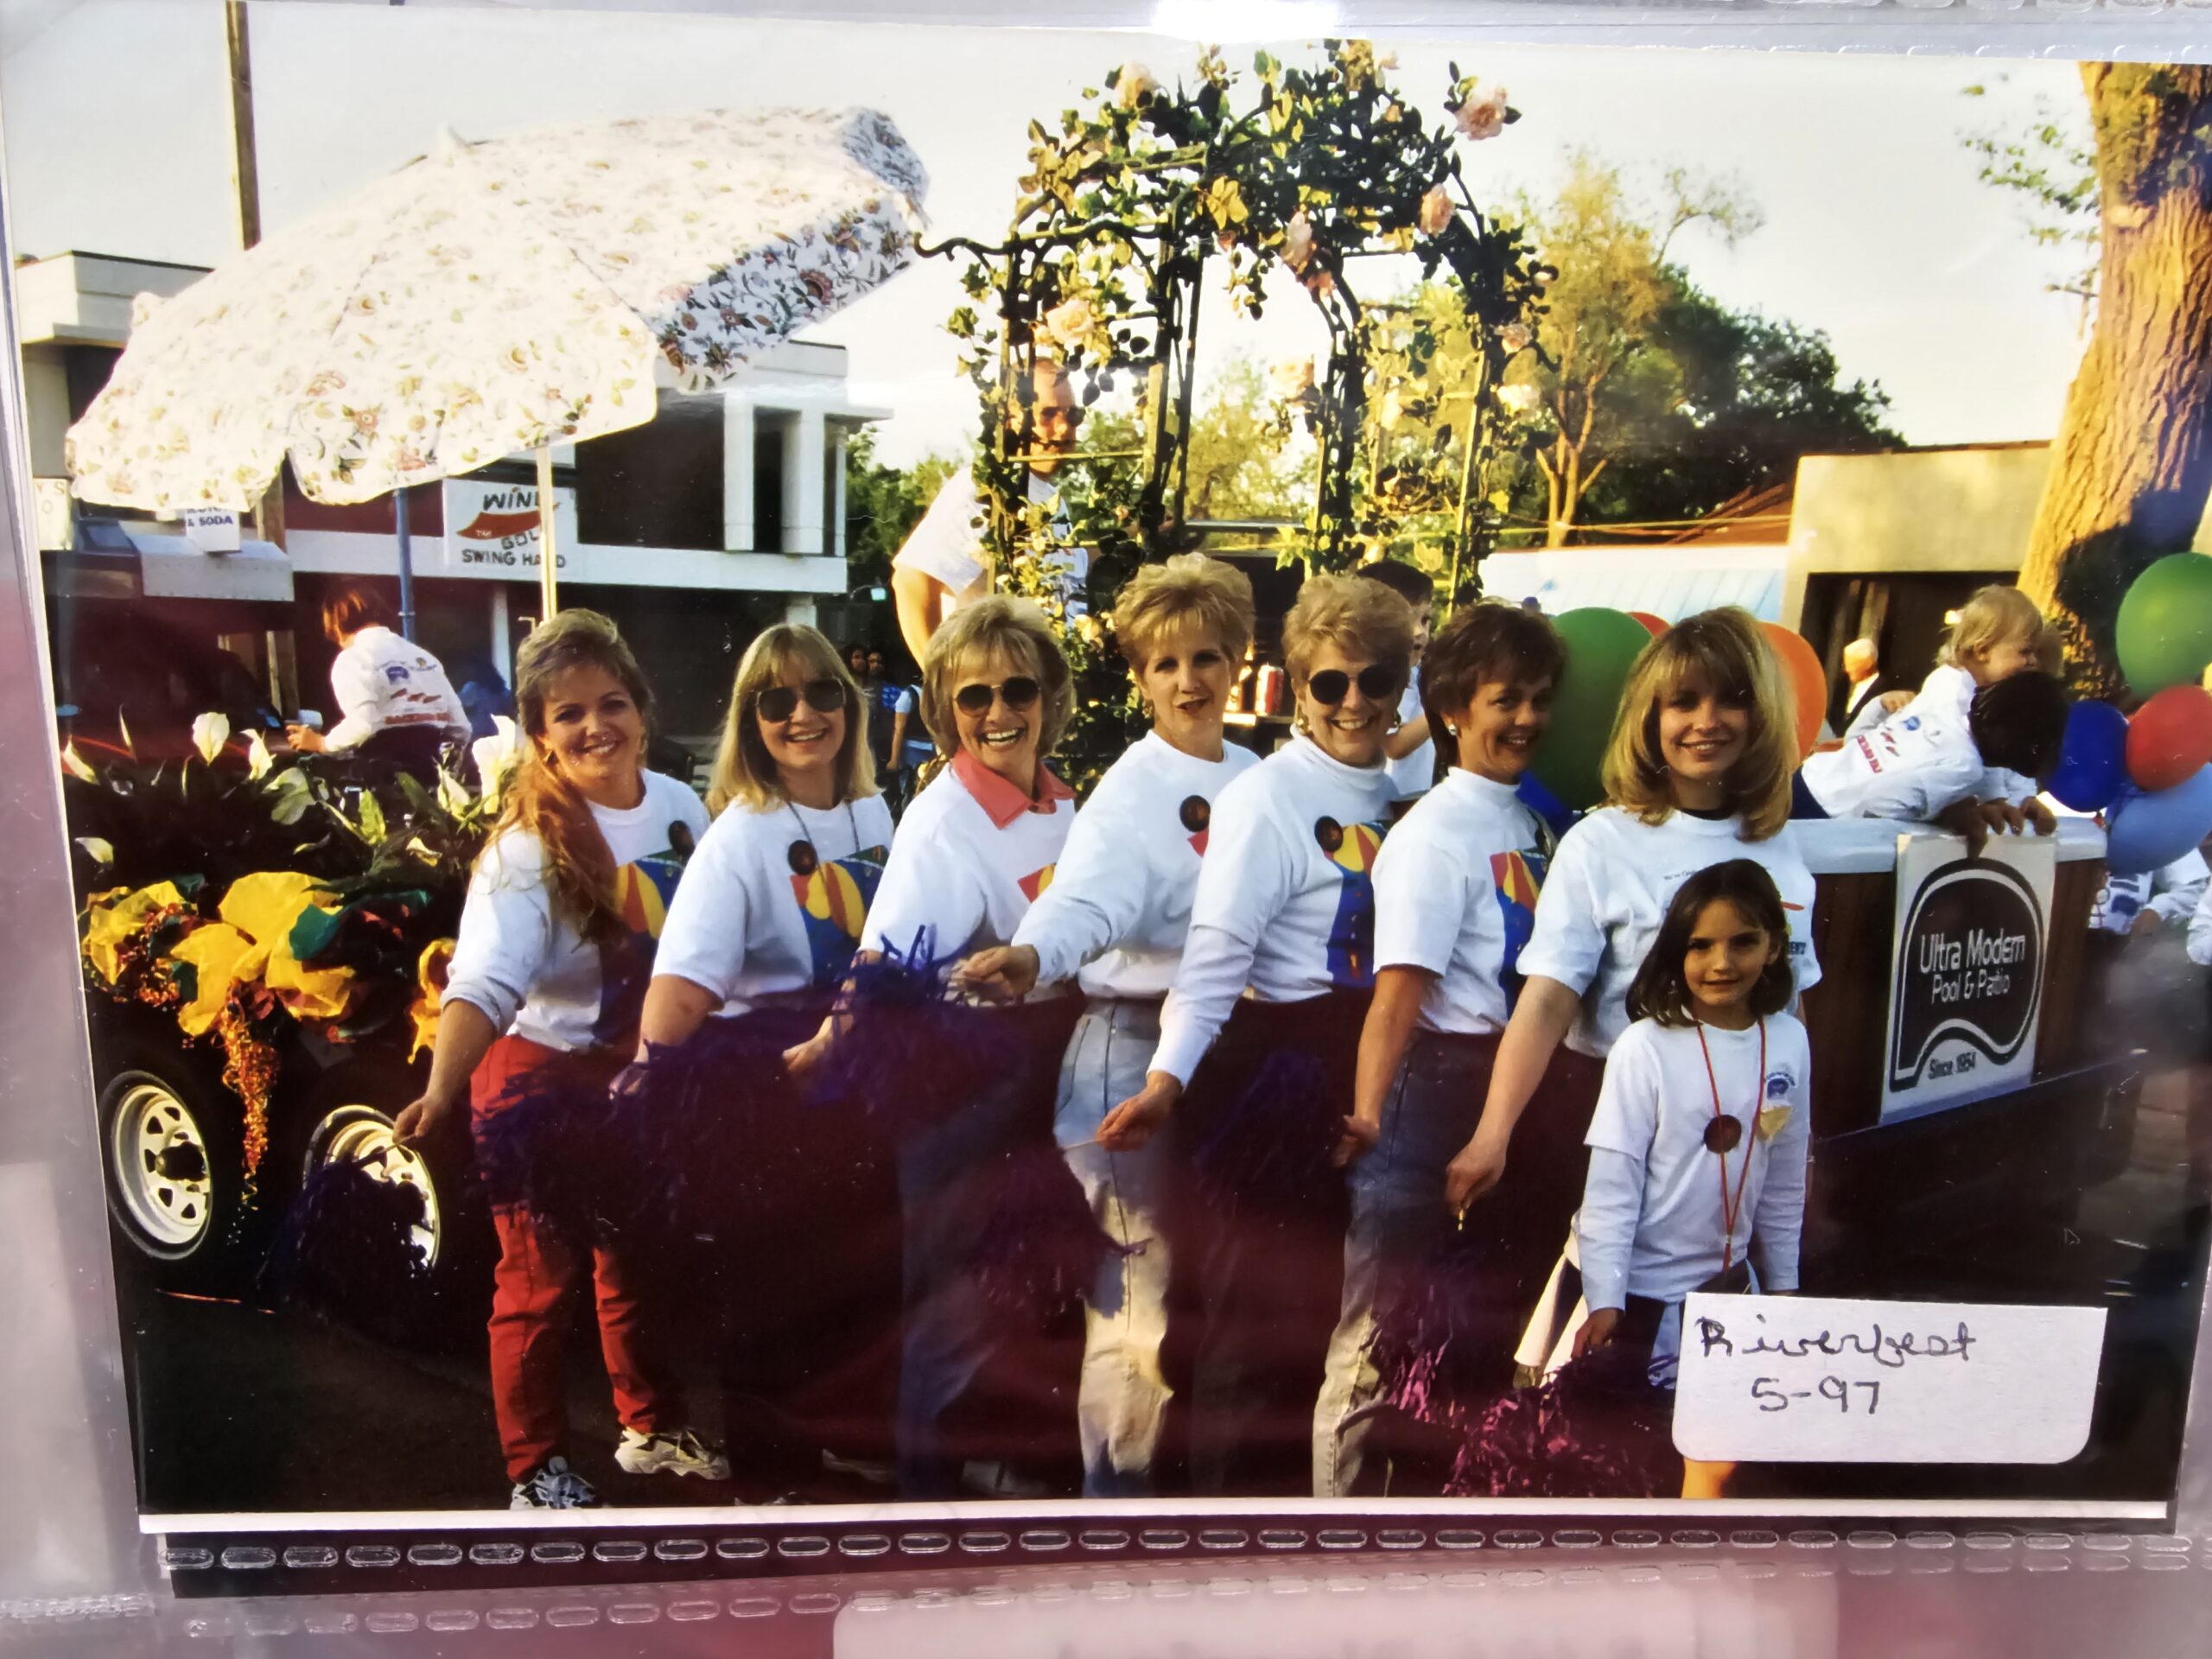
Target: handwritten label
(1789, 1379)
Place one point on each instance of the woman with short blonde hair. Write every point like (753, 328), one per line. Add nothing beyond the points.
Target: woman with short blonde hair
(1014, 630)
(1278, 966)
(1115, 919)
(1696, 773)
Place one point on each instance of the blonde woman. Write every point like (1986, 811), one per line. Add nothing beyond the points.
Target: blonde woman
(760, 934)
(1279, 966)
(543, 993)
(1115, 919)
(1697, 772)
(975, 849)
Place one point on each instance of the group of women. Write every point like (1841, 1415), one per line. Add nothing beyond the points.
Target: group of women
(1289, 1050)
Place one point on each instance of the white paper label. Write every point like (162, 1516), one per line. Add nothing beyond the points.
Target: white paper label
(212, 529)
(1790, 1379)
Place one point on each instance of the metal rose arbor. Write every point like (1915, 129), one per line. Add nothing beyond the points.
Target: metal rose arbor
(1127, 210)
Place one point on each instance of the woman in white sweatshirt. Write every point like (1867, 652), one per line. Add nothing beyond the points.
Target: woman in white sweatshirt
(1697, 772)
(975, 849)
(548, 974)
(1278, 965)
(760, 934)
(1115, 919)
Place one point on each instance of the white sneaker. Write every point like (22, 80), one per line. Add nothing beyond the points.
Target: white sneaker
(680, 1453)
(553, 1485)
(876, 1474)
(994, 1479)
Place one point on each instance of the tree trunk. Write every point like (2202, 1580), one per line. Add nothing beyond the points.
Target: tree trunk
(2133, 460)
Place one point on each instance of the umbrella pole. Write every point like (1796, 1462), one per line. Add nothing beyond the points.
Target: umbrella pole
(406, 562)
(548, 553)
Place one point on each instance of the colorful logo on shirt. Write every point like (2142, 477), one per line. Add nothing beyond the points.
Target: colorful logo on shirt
(1517, 877)
(1036, 882)
(642, 891)
(1196, 815)
(833, 900)
(1351, 938)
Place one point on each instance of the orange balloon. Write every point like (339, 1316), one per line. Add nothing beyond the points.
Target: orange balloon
(1654, 625)
(1807, 680)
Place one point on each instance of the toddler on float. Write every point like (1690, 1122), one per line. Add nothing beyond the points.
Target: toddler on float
(1930, 762)
(1698, 1147)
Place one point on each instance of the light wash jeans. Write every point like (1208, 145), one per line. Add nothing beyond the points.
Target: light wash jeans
(1121, 1400)
(1398, 1214)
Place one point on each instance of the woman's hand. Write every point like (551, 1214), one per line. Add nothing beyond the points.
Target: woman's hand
(1132, 1123)
(1597, 1330)
(1355, 1140)
(432, 1118)
(304, 739)
(1005, 973)
(804, 1059)
(1480, 1165)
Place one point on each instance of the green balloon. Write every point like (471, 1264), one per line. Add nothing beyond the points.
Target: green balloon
(2164, 629)
(1601, 645)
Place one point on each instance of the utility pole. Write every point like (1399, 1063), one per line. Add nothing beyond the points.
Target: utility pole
(268, 512)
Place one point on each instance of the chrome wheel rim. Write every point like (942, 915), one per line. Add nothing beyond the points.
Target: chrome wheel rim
(158, 1154)
(362, 1134)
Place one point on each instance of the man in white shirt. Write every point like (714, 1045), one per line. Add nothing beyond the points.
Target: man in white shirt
(946, 562)
(1410, 752)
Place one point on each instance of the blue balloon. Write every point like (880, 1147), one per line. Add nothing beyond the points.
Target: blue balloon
(2148, 832)
(2093, 760)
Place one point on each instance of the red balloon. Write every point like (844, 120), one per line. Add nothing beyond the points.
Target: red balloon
(1807, 680)
(2170, 738)
(1654, 625)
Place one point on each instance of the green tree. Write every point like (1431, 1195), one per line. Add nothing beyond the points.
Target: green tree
(2051, 163)
(884, 503)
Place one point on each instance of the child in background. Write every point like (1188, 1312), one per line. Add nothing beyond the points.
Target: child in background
(1999, 634)
(1411, 749)
(1928, 764)
(1698, 1147)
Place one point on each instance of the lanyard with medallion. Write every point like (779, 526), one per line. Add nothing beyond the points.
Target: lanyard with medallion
(1723, 1135)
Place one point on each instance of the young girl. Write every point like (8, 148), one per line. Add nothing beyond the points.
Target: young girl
(1697, 1148)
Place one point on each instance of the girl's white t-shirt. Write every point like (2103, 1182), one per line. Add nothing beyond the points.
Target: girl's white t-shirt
(957, 881)
(1455, 895)
(1119, 908)
(1607, 892)
(1653, 1221)
(774, 899)
(1286, 899)
(528, 971)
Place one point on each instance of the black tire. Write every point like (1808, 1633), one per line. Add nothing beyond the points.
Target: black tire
(442, 1297)
(172, 1143)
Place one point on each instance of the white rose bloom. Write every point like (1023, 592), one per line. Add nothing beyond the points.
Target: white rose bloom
(209, 732)
(1293, 378)
(1515, 337)
(1482, 117)
(1070, 321)
(1134, 84)
(1298, 240)
(1435, 210)
(1519, 397)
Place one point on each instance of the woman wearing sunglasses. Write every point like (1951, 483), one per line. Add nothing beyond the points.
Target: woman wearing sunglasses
(976, 847)
(758, 935)
(1285, 909)
(1118, 911)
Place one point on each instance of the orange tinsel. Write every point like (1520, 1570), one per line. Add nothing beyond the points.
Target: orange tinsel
(250, 1066)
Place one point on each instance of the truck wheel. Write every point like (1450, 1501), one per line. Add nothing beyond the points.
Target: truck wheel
(437, 1284)
(173, 1147)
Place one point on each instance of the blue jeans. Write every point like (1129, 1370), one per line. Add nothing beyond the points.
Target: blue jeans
(1121, 1400)
(1398, 1216)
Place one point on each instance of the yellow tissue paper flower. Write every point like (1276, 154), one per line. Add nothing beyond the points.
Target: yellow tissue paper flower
(221, 956)
(115, 916)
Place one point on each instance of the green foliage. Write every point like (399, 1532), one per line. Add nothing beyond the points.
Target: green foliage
(2051, 164)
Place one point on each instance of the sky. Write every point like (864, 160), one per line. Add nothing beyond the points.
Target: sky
(1877, 230)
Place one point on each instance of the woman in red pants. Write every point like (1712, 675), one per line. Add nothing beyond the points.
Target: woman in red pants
(548, 976)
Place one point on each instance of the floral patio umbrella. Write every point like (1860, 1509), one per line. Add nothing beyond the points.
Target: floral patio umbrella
(495, 298)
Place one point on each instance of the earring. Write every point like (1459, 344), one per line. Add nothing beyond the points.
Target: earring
(1298, 723)
(1144, 707)
(1450, 730)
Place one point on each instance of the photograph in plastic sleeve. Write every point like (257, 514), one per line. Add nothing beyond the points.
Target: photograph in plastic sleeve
(857, 768)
